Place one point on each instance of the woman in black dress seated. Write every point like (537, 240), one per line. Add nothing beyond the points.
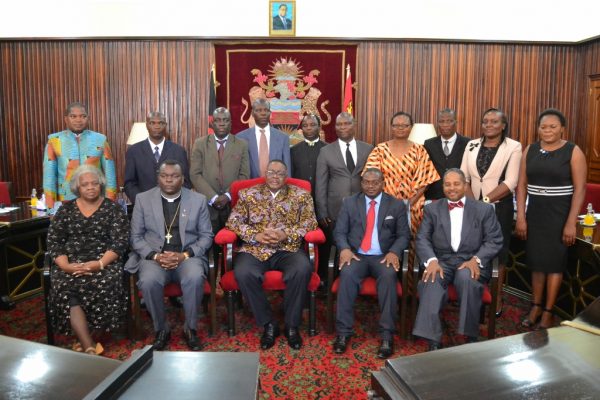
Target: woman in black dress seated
(86, 241)
(553, 174)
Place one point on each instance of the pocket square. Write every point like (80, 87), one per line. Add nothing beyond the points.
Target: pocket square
(389, 217)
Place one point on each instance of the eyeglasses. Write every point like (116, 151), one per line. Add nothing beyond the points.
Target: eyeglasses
(400, 126)
(278, 174)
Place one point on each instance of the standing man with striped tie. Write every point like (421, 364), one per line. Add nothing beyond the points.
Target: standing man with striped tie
(265, 143)
(142, 159)
(218, 160)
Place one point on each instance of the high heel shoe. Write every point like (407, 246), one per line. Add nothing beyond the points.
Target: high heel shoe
(95, 350)
(528, 323)
(549, 311)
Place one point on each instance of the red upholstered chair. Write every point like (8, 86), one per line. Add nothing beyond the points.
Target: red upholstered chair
(273, 279)
(173, 289)
(368, 287)
(6, 194)
(592, 195)
(489, 297)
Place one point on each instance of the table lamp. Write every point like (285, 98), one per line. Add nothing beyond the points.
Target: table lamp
(422, 132)
(138, 133)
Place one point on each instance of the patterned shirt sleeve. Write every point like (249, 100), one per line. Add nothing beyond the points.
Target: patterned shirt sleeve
(50, 174)
(108, 166)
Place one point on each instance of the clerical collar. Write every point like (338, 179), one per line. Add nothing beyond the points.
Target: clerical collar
(173, 199)
(311, 143)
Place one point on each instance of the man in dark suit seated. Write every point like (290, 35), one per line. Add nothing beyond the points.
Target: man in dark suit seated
(371, 233)
(142, 159)
(265, 143)
(457, 241)
(170, 235)
(445, 151)
(271, 220)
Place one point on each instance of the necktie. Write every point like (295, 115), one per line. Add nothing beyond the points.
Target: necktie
(446, 148)
(220, 152)
(349, 160)
(156, 153)
(365, 245)
(453, 205)
(263, 153)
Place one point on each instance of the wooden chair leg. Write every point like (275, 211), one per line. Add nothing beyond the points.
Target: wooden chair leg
(312, 314)
(230, 312)
(47, 283)
(492, 309)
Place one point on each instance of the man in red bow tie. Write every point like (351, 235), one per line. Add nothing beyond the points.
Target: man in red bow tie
(457, 241)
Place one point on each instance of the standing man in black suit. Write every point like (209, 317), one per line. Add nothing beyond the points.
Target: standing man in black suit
(304, 154)
(445, 151)
(339, 166)
(142, 159)
(457, 241)
(371, 233)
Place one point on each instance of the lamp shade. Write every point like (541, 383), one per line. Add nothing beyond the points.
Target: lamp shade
(138, 133)
(421, 132)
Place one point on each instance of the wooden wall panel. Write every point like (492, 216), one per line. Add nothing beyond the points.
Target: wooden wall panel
(422, 78)
(122, 80)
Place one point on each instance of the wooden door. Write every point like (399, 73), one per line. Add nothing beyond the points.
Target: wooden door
(593, 148)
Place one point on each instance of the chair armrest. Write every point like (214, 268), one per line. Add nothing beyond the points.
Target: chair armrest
(317, 236)
(225, 236)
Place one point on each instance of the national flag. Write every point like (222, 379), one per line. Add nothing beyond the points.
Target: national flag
(212, 99)
(348, 103)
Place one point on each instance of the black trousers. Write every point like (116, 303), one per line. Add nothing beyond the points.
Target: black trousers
(250, 272)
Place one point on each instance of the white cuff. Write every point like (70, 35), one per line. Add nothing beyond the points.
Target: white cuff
(429, 261)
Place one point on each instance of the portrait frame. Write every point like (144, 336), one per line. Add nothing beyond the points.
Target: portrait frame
(277, 25)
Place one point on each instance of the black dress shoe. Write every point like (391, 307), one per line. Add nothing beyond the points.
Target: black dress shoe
(293, 337)
(434, 345)
(267, 340)
(340, 344)
(386, 349)
(191, 339)
(472, 339)
(161, 340)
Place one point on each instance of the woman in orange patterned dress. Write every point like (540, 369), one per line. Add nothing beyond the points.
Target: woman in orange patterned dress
(406, 168)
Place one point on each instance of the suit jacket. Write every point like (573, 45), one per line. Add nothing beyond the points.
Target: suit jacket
(304, 161)
(278, 24)
(148, 226)
(392, 224)
(442, 162)
(141, 166)
(204, 165)
(279, 148)
(334, 181)
(481, 235)
(508, 155)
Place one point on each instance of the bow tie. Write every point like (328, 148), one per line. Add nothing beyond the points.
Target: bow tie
(453, 205)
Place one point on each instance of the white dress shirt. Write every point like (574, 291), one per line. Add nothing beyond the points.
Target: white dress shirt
(267, 130)
(154, 145)
(451, 142)
(353, 150)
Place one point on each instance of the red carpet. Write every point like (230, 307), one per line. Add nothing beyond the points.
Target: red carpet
(313, 372)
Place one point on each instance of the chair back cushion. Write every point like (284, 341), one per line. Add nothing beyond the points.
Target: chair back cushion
(6, 193)
(236, 186)
(592, 195)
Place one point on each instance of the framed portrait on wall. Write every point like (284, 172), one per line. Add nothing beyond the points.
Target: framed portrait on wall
(282, 18)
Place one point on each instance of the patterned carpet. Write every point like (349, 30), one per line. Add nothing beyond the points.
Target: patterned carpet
(313, 372)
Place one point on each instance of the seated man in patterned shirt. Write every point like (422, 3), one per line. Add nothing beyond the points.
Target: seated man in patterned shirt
(271, 220)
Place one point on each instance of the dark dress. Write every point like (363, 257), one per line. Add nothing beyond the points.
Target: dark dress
(504, 207)
(101, 295)
(550, 189)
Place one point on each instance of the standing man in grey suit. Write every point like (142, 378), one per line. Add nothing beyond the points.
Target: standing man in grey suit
(265, 143)
(339, 166)
(170, 235)
(142, 159)
(218, 160)
(457, 240)
(371, 233)
(445, 151)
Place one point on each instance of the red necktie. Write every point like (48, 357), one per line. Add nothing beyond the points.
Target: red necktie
(452, 205)
(366, 242)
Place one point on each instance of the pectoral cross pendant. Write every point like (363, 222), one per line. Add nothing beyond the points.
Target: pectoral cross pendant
(168, 236)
